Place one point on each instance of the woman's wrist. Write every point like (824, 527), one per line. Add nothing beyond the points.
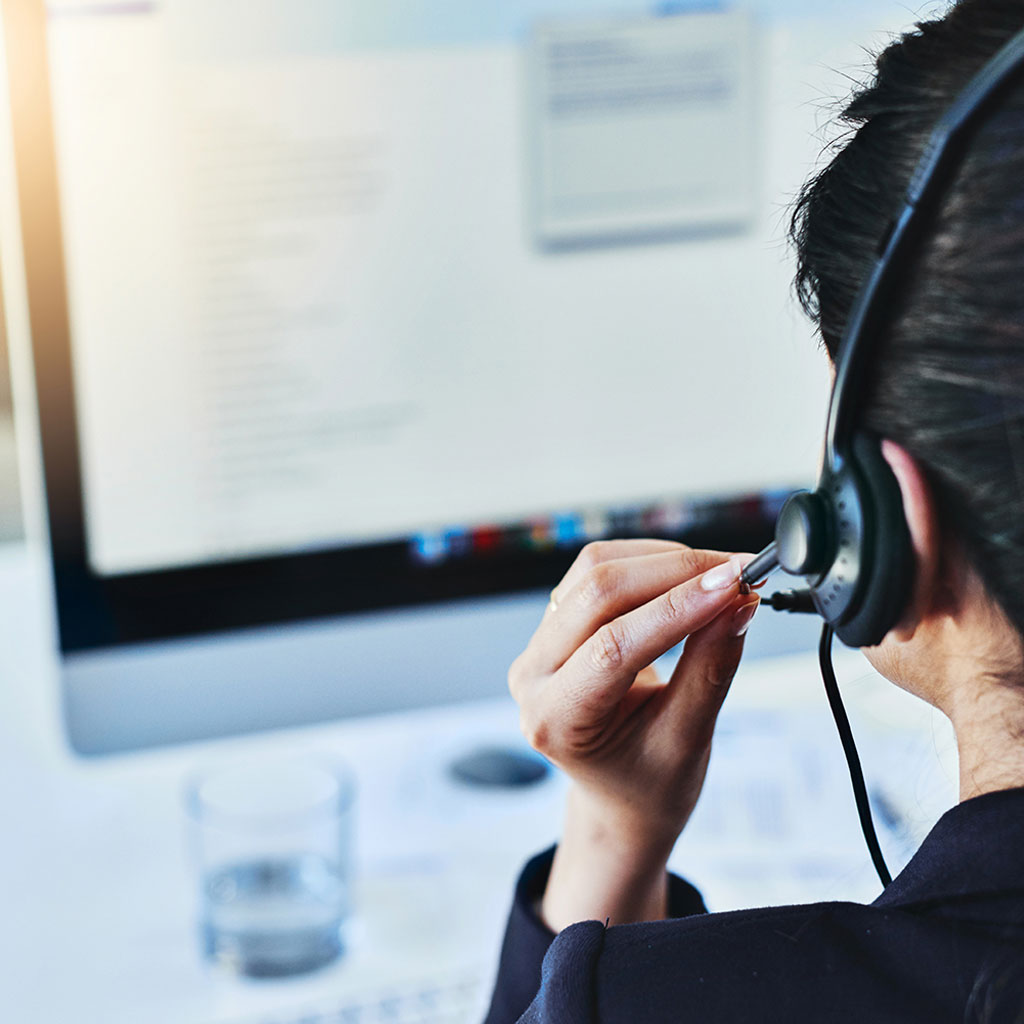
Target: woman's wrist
(609, 865)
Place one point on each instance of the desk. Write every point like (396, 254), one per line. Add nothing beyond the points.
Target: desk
(98, 894)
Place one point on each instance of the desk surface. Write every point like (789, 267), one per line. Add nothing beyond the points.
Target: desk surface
(99, 896)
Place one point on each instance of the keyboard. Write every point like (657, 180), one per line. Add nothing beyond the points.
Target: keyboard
(451, 1000)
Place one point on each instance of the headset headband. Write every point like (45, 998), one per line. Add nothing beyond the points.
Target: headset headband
(941, 158)
(801, 518)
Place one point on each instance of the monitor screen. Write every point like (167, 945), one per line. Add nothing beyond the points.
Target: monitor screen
(338, 281)
(383, 303)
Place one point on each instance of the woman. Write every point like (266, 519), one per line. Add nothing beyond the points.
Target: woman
(945, 940)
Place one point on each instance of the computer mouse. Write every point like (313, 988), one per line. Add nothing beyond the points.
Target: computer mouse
(500, 766)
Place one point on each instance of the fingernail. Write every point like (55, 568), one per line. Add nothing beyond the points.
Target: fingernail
(722, 576)
(742, 618)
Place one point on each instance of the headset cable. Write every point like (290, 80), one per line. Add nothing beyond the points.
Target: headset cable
(860, 793)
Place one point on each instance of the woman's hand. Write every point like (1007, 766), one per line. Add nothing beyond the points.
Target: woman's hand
(637, 748)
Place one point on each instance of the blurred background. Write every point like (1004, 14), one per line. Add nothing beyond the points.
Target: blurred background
(332, 331)
(10, 495)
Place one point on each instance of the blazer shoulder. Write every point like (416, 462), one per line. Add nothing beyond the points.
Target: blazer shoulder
(732, 966)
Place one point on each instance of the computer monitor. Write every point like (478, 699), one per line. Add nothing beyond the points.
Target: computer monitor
(353, 321)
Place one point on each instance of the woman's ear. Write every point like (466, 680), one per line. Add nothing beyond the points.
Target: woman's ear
(927, 592)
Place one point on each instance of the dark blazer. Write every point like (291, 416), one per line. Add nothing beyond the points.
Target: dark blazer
(944, 942)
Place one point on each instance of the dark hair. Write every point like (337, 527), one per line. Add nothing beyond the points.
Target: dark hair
(946, 378)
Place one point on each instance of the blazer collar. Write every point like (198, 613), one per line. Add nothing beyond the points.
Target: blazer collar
(976, 847)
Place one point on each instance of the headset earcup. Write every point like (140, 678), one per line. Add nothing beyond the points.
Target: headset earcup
(888, 557)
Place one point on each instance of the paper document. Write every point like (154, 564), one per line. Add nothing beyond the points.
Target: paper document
(642, 126)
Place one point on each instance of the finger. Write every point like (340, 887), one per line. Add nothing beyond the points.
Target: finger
(598, 674)
(600, 551)
(611, 589)
(705, 670)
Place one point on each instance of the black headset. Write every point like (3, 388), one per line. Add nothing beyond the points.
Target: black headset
(848, 538)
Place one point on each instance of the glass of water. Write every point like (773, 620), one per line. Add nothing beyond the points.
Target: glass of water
(272, 843)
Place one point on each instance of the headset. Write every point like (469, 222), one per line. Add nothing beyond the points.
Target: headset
(848, 538)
